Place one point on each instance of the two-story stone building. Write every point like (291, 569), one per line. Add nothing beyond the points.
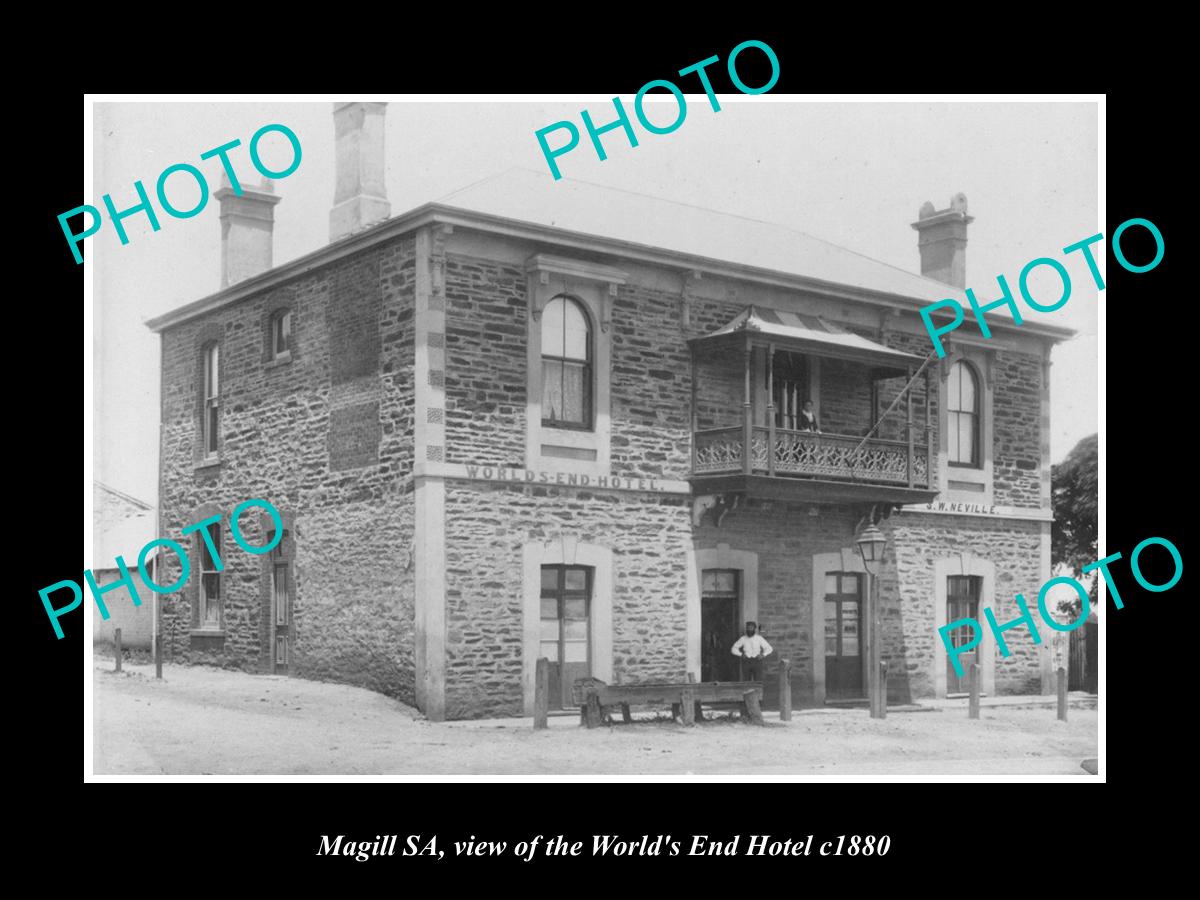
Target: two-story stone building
(543, 418)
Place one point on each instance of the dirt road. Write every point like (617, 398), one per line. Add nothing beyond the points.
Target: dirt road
(208, 721)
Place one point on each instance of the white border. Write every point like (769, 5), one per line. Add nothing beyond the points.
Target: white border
(90, 100)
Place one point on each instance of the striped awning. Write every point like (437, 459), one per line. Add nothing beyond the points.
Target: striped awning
(809, 334)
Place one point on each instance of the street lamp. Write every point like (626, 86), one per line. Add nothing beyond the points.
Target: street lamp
(871, 544)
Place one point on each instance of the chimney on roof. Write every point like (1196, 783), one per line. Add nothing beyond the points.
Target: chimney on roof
(942, 240)
(360, 197)
(247, 223)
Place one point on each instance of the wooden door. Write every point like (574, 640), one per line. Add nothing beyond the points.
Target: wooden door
(566, 628)
(720, 625)
(962, 602)
(844, 629)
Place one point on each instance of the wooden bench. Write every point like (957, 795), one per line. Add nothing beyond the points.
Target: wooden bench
(685, 698)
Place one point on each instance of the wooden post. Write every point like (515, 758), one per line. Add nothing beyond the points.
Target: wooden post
(593, 709)
(695, 414)
(785, 691)
(157, 632)
(973, 682)
(747, 415)
(625, 716)
(750, 698)
(1062, 694)
(117, 647)
(687, 703)
(883, 690)
(928, 430)
(771, 410)
(909, 429)
(541, 693)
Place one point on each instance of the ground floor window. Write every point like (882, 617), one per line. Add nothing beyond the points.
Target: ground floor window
(566, 628)
(843, 635)
(962, 602)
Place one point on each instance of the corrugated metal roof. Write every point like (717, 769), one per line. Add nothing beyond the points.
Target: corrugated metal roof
(536, 198)
(814, 334)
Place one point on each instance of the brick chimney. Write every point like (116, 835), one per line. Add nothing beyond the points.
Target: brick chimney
(942, 240)
(360, 196)
(247, 222)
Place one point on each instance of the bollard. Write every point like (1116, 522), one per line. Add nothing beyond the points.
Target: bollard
(882, 690)
(753, 709)
(117, 647)
(973, 686)
(687, 702)
(541, 693)
(1062, 694)
(592, 710)
(785, 691)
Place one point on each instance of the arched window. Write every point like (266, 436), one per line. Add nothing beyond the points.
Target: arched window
(963, 408)
(210, 389)
(280, 337)
(566, 364)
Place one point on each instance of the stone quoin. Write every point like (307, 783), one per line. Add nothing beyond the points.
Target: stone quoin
(634, 382)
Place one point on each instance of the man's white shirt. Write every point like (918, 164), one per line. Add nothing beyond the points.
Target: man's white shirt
(755, 646)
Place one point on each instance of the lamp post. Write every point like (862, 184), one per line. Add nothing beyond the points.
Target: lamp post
(871, 544)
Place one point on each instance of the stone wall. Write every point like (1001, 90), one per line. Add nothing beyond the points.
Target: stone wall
(325, 437)
(486, 528)
(486, 382)
(1016, 464)
(916, 541)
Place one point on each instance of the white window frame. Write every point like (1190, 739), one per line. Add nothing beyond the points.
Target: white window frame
(205, 601)
(979, 358)
(274, 325)
(210, 435)
(571, 450)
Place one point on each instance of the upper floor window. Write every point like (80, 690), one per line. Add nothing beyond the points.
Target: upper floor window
(566, 364)
(963, 407)
(280, 339)
(210, 391)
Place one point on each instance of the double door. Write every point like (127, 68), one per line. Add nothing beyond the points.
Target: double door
(566, 628)
(844, 659)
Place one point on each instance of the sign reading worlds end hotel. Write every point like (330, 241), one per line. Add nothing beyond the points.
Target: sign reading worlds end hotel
(540, 418)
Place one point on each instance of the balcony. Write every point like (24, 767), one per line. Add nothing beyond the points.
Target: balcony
(776, 361)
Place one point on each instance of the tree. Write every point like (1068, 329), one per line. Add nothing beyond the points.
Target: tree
(1074, 491)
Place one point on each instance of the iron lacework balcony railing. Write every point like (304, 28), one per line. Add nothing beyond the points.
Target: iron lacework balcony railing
(835, 457)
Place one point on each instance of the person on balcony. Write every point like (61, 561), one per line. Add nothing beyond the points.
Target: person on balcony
(752, 648)
(808, 418)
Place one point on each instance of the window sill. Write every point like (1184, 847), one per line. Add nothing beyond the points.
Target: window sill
(281, 360)
(208, 632)
(208, 462)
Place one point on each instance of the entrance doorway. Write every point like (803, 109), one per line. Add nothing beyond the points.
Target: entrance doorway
(843, 632)
(566, 628)
(720, 625)
(962, 602)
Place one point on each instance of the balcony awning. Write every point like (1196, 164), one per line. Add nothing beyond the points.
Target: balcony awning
(809, 334)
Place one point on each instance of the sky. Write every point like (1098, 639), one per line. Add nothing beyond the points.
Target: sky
(854, 174)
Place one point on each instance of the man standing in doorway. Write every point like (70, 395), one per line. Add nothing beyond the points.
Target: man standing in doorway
(752, 647)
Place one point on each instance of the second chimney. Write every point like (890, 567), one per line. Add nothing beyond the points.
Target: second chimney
(360, 196)
(247, 222)
(942, 240)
